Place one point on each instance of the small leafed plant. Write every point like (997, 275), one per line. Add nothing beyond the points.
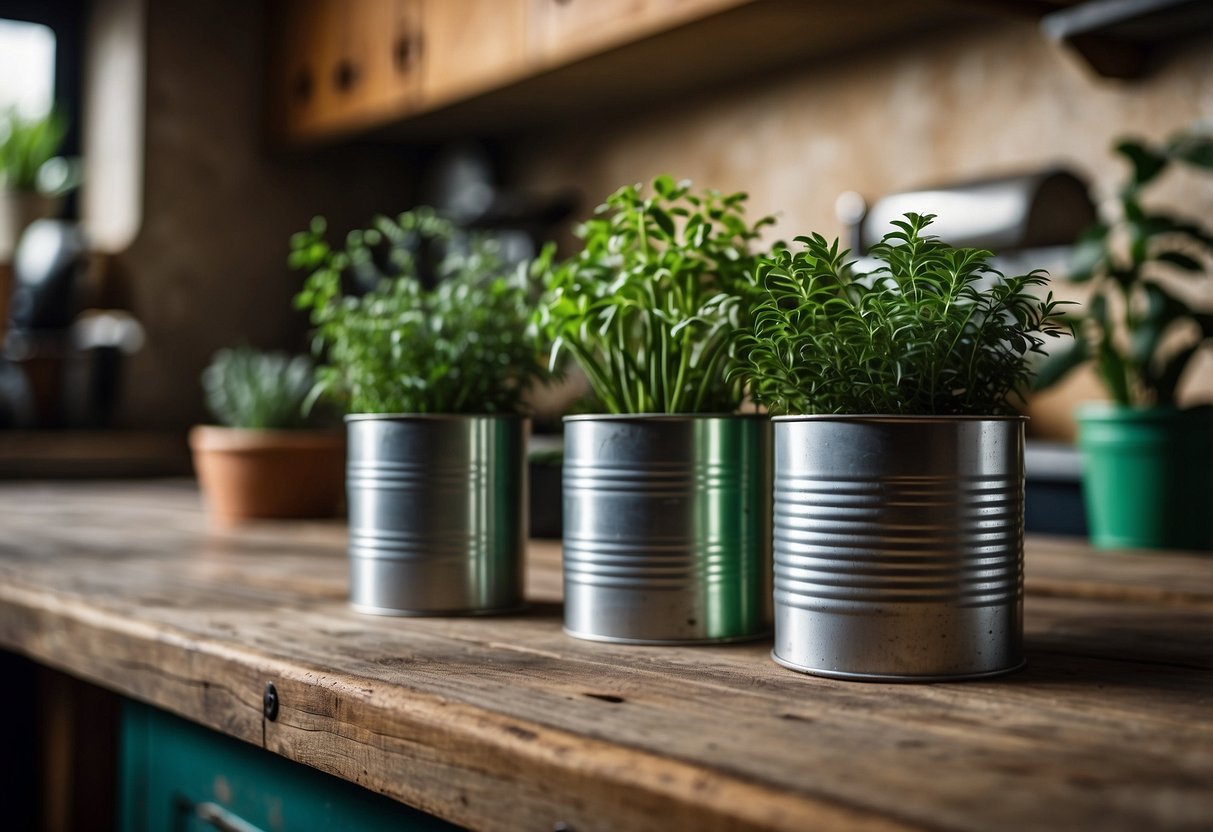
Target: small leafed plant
(246, 388)
(26, 145)
(460, 347)
(933, 330)
(1139, 333)
(651, 306)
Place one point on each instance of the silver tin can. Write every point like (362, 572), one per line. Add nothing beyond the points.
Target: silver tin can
(436, 508)
(899, 546)
(667, 528)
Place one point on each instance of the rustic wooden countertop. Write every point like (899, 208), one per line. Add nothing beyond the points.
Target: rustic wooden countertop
(506, 723)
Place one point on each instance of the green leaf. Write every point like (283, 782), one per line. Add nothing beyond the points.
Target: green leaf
(1147, 163)
(1090, 253)
(1194, 149)
(1181, 260)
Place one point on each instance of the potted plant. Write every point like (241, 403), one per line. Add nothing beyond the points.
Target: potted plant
(898, 463)
(28, 185)
(1147, 463)
(262, 460)
(433, 380)
(666, 495)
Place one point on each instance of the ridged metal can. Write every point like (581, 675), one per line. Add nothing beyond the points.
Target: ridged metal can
(436, 512)
(667, 528)
(899, 546)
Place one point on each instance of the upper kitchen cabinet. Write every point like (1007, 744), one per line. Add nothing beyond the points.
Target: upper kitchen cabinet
(472, 46)
(344, 65)
(565, 30)
(437, 68)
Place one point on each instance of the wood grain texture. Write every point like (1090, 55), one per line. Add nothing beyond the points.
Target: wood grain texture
(506, 723)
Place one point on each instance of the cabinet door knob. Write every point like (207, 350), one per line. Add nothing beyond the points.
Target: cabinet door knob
(405, 51)
(303, 86)
(345, 76)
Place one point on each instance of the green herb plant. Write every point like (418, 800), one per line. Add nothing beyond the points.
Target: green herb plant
(932, 330)
(460, 347)
(651, 305)
(246, 388)
(1140, 334)
(26, 145)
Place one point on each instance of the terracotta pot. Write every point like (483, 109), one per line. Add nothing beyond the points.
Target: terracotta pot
(251, 474)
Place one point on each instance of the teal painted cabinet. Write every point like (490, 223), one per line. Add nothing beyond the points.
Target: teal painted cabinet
(181, 777)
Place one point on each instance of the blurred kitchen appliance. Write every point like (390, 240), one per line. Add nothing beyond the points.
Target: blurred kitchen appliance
(1015, 213)
(71, 363)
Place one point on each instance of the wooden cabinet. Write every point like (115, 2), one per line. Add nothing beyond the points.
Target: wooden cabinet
(473, 46)
(441, 67)
(344, 64)
(180, 776)
(565, 30)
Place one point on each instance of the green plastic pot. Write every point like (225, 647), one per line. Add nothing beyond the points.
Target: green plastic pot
(1148, 476)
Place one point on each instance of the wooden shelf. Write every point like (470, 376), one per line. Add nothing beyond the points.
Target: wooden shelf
(506, 723)
(604, 56)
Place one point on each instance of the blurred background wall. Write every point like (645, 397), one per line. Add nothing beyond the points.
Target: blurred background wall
(207, 267)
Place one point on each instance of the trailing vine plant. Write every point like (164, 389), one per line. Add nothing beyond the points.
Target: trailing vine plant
(932, 330)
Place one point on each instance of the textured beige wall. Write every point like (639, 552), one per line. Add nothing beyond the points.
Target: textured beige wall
(952, 106)
(208, 267)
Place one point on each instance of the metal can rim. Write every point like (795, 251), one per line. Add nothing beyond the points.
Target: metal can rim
(897, 418)
(661, 417)
(433, 417)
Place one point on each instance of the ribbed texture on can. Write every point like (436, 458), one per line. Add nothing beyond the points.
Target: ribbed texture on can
(436, 511)
(666, 528)
(900, 527)
(928, 539)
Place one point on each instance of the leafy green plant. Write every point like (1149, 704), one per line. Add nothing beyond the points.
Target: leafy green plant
(651, 305)
(460, 347)
(1140, 334)
(25, 146)
(246, 388)
(932, 330)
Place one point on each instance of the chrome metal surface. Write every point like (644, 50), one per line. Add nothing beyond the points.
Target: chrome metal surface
(667, 525)
(898, 546)
(436, 508)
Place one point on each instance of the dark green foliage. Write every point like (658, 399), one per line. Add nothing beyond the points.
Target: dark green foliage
(461, 347)
(25, 146)
(651, 305)
(1130, 314)
(933, 330)
(246, 388)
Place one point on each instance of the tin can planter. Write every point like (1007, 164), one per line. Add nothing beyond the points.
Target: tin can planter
(899, 546)
(436, 507)
(667, 528)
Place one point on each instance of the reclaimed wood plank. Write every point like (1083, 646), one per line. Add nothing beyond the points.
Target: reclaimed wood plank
(507, 723)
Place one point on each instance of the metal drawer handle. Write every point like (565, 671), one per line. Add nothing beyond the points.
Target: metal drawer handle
(216, 816)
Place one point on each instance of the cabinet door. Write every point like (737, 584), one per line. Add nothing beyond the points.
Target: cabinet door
(379, 70)
(564, 30)
(344, 64)
(180, 776)
(304, 50)
(472, 46)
